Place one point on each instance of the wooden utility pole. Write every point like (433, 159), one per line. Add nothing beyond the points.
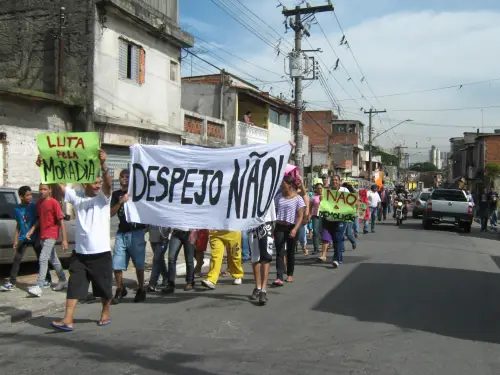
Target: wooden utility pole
(298, 74)
(370, 113)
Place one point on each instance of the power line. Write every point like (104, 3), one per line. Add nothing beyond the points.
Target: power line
(458, 86)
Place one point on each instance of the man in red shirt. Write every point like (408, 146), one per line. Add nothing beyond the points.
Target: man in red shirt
(50, 220)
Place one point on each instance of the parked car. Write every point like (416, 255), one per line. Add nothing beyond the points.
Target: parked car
(420, 202)
(8, 200)
(448, 206)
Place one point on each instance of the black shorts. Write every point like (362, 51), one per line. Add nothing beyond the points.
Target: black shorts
(261, 242)
(90, 268)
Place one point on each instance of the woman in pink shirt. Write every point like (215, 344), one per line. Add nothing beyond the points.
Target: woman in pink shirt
(316, 220)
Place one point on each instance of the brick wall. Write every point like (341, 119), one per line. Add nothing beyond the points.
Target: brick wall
(317, 126)
(192, 124)
(215, 130)
(492, 149)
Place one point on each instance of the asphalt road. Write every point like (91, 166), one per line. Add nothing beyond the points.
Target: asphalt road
(407, 301)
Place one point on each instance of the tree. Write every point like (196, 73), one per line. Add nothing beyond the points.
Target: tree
(423, 167)
(387, 159)
(492, 172)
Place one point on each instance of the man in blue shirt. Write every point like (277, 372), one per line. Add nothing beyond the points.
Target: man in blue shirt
(26, 217)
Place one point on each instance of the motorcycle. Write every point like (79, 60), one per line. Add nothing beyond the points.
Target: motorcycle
(399, 213)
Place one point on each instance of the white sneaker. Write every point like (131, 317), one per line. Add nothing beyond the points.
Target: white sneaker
(7, 287)
(335, 264)
(35, 291)
(208, 284)
(61, 285)
(237, 281)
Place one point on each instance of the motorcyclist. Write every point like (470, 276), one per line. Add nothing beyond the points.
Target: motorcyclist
(401, 195)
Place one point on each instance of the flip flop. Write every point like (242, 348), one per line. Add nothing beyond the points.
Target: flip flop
(61, 327)
(102, 323)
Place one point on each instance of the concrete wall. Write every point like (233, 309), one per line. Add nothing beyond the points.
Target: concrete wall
(22, 121)
(201, 98)
(28, 46)
(279, 134)
(158, 100)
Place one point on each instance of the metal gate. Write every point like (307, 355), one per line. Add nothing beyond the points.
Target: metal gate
(118, 159)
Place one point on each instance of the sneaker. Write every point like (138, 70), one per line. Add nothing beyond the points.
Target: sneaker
(46, 284)
(140, 296)
(61, 285)
(237, 281)
(255, 294)
(262, 298)
(153, 289)
(119, 294)
(335, 264)
(169, 289)
(354, 245)
(208, 284)
(189, 287)
(7, 287)
(278, 282)
(35, 291)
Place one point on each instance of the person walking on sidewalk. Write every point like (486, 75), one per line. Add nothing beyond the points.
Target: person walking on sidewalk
(374, 203)
(25, 216)
(129, 243)
(290, 209)
(316, 220)
(91, 260)
(219, 241)
(333, 231)
(178, 239)
(158, 238)
(261, 245)
(384, 203)
(50, 223)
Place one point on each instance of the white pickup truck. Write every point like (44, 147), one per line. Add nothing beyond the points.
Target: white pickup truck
(448, 206)
(8, 200)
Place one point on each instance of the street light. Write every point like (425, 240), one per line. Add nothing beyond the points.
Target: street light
(385, 131)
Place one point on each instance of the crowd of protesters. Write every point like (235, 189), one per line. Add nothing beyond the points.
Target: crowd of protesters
(292, 218)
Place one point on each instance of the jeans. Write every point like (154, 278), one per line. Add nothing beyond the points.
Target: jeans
(129, 245)
(349, 232)
(355, 226)
(245, 248)
(373, 215)
(382, 212)
(159, 264)
(284, 244)
(336, 230)
(316, 224)
(47, 254)
(180, 238)
(302, 236)
(18, 257)
(484, 223)
(493, 218)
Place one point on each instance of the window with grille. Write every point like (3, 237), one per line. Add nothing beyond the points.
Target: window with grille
(132, 61)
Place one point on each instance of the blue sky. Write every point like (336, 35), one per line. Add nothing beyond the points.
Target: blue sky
(400, 45)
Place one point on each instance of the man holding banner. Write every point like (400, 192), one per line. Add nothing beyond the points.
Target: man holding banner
(337, 206)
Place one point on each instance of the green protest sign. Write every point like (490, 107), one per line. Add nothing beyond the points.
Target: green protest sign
(69, 157)
(338, 205)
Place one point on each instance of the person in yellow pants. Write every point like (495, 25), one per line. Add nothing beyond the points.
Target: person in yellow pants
(219, 241)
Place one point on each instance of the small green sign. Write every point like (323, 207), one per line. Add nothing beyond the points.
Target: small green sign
(338, 205)
(69, 157)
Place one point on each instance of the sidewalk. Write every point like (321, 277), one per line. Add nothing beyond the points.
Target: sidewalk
(18, 306)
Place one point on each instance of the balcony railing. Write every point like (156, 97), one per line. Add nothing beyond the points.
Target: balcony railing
(249, 134)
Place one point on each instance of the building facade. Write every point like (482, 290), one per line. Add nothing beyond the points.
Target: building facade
(111, 66)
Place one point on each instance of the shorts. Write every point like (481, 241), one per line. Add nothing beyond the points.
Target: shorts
(201, 240)
(90, 268)
(261, 242)
(332, 231)
(326, 237)
(129, 245)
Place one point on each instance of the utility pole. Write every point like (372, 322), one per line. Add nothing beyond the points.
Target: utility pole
(370, 113)
(297, 24)
(399, 148)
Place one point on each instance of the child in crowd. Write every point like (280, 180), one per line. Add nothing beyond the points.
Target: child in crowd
(25, 216)
(50, 223)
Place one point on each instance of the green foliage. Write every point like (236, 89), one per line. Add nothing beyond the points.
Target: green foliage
(423, 167)
(387, 159)
(493, 170)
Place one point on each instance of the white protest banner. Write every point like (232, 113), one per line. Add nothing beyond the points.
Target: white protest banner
(190, 187)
